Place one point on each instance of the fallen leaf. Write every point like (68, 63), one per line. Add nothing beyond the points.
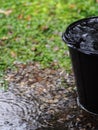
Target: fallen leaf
(6, 12)
(32, 86)
(39, 79)
(44, 28)
(56, 48)
(52, 71)
(20, 16)
(33, 49)
(4, 38)
(13, 54)
(28, 18)
(72, 6)
(1, 43)
(22, 84)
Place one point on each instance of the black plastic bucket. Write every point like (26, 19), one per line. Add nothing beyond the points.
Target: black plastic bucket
(83, 48)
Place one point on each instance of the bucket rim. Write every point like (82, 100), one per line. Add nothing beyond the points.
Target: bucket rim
(72, 25)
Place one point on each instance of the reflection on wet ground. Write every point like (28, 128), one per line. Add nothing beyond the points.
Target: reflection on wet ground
(35, 100)
(17, 113)
(42, 99)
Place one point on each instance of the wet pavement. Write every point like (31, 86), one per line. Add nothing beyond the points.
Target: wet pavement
(34, 100)
(27, 113)
(17, 113)
(42, 99)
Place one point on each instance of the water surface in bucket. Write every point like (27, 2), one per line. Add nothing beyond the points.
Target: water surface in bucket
(84, 35)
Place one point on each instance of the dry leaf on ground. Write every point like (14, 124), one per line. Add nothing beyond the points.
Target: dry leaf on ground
(6, 12)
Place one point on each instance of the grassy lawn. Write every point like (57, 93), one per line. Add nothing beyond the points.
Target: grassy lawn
(30, 30)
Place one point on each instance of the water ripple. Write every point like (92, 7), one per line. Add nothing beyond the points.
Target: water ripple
(17, 114)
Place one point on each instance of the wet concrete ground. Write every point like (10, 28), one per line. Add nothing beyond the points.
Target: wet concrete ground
(42, 99)
(17, 113)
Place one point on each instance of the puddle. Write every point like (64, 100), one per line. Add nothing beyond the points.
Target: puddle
(38, 103)
(17, 113)
(23, 112)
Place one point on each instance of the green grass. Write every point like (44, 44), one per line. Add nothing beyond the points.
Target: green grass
(32, 32)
